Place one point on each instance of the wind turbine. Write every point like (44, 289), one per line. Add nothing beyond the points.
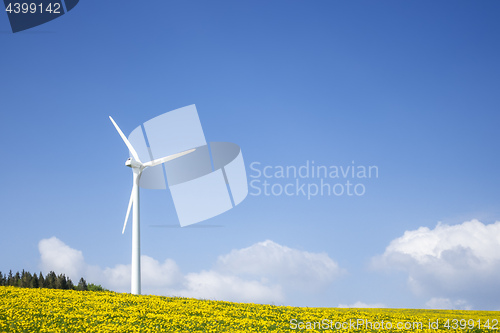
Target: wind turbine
(138, 167)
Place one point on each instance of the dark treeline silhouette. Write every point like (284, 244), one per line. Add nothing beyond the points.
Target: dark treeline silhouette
(51, 281)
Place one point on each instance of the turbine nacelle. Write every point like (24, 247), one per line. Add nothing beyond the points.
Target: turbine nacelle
(131, 163)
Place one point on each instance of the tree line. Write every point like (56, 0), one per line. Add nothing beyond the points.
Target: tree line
(51, 280)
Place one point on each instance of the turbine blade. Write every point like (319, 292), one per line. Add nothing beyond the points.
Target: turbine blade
(167, 158)
(124, 138)
(129, 207)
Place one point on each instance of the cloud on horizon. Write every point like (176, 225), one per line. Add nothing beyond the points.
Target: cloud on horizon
(360, 305)
(456, 266)
(265, 272)
(437, 303)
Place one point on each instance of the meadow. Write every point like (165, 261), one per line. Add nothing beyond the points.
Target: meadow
(52, 310)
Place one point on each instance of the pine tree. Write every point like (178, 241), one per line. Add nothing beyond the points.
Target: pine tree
(82, 284)
(1, 280)
(71, 286)
(34, 281)
(4, 280)
(10, 279)
(41, 281)
(25, 280)
(50, 280)
(20, 283)
(17, 279)
(61, 282)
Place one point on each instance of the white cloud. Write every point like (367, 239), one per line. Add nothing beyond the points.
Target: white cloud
(359, 304)
(265, 272)
(118, 277)
(60, 258)
(445, 303)
(217, 286)
(156, 278)
(458, 262)
(298, 270)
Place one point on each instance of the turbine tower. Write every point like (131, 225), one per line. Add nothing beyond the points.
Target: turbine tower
(138, 167)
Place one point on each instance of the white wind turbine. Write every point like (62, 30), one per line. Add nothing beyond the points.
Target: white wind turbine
(137, 167)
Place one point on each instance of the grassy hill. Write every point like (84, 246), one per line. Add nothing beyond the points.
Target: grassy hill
(51, 310)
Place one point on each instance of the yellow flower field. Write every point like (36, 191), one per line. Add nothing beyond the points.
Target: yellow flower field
(51, 310)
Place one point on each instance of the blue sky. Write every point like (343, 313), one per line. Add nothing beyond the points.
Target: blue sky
(408, 86)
